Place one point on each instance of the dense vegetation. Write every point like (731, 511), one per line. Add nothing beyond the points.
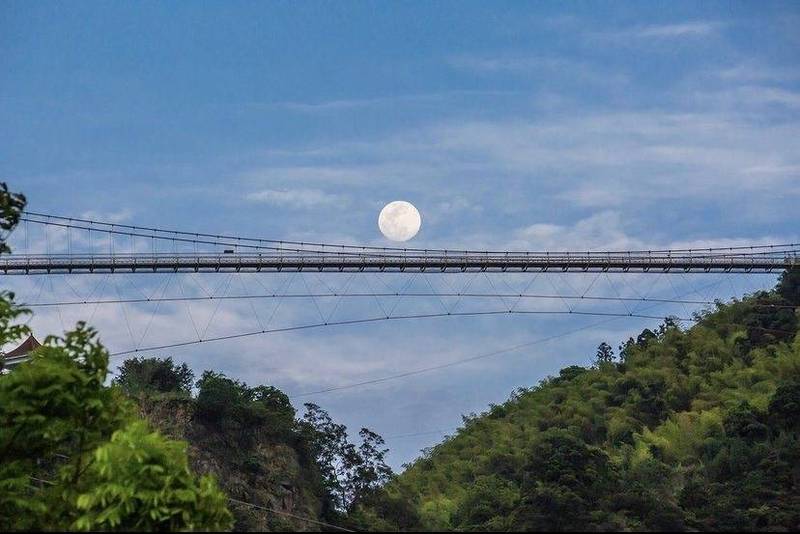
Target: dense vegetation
(252, 441)
(74, 455)
(683, 430)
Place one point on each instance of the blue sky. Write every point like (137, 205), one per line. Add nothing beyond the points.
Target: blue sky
(542, 126)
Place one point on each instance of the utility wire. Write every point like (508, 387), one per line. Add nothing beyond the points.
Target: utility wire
(472, 358)
(244, 503)
(306, 519)
(379, 319)
(383, 295)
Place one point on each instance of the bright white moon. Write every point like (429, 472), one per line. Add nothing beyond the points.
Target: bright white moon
(399, 220)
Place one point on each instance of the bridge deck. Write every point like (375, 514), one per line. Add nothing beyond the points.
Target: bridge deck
(455, 262)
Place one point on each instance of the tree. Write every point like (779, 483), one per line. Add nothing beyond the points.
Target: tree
(350, 474)
(784, 407)
(789, 286)
(369, 471)
(488, 505)
(139, 375)
(221, 401)
(11, 207)
(56, 406)
(605, 354)
(140, 481)
(561, 483)
(331, 450)
(60, 433)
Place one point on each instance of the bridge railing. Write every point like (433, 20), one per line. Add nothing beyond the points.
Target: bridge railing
(449, 261)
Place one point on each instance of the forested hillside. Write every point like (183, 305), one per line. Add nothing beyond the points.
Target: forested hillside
(282, 472)
(682, 429)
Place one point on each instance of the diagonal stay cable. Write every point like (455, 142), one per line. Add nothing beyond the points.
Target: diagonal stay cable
(188, 308)
(467, 285)
(494, 289)
(434, 293)
(309, 326)
(155, 309)
(226, 286)
(525, 290)
(339, 299)
(287, 285)
(42, 282)
(253, 307)
(99, 287)
(617, 293)
(313, 298)
(375, 296)
(591, 284)
(467, 360)
(125, 313)
(58, 308)
(563, 300)
(402, 292)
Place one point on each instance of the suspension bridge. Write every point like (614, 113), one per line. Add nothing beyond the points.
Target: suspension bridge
(241, 254)
(414, 284)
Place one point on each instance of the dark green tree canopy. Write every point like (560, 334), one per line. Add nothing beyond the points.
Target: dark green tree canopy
(155, 375)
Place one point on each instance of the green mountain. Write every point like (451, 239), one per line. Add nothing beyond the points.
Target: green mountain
(685, 429)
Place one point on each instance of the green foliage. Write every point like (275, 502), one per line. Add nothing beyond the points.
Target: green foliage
(784, 407)
(251, 436)
(58, 419)
(140, 375)
(73, 453)
(692, 429)
(140, 481)
(227, 404)
(10, 329)
(605, 354)
(351, 474)
(11, 207)
(56, 406)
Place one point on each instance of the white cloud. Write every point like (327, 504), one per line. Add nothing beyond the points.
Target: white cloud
(753, 70)
(347, 104)
(118, 216)
(634, 161)
(746, 97)
(658, 34)
(607, 230)
(298, 198)
(686, 29)
(547, 67)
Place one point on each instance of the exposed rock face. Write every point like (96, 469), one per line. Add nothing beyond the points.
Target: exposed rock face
(257, 468)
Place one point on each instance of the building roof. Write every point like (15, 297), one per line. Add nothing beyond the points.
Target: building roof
(25, 347)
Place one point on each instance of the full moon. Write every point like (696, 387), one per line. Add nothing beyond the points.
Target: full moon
(399, 220)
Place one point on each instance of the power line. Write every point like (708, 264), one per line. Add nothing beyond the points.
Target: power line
(380, 319)
(313, 521)
(244, 503)
(424, 433)
(384, 295)
(474, 358)
(454, 362)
